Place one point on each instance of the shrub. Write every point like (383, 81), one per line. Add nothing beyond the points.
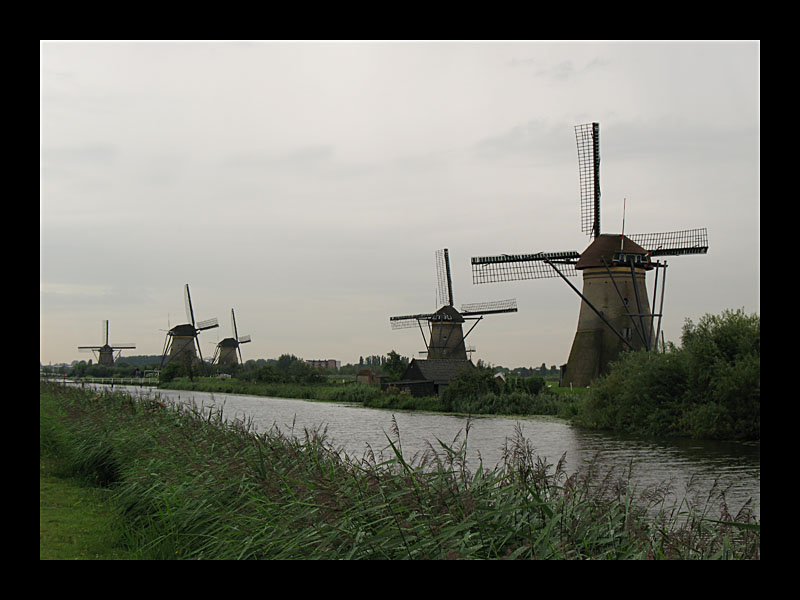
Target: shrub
(710, 387)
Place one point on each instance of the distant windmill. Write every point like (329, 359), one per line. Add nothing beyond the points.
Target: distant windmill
(181, 342)
(615, 312)
(225, 354)
(105, 353)
(446, 336)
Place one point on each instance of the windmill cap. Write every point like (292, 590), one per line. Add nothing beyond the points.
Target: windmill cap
(186, 330)
(447, 314)
(605, 246)
(229, 343)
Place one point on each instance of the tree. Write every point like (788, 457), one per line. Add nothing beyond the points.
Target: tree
(286, 360)
(395, 365)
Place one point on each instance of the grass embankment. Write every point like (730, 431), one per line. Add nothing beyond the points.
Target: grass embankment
(186, 485)
(560, 402)
(75, 520)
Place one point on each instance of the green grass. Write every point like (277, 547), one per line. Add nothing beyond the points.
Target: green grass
(75, 521)
(176, 483)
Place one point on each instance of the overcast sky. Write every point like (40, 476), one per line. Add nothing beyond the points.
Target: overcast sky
(308, 185)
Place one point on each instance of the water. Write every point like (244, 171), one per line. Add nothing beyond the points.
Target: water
(356, 430)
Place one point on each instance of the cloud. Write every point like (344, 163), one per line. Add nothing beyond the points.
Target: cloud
(561, 71)
(295, 159)
(535, 139)
(90, 153)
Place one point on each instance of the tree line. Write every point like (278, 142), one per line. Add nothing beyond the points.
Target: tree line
(391, 365)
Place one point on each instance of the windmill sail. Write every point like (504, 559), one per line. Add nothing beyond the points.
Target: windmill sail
(673, 243)
(516, 267)
(443, 279)
(489, 308)
(588, 138)
(187, 301)
(409, 321)
(207, 324)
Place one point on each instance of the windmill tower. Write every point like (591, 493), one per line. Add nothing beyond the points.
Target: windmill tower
(445, 326)
(615, 313)
(181, 344)
(105, 353)
(226, 351)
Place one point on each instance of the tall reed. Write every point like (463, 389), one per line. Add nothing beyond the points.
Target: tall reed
(190, 484)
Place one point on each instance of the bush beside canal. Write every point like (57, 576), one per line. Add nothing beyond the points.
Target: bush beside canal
(708, 388)
(187, 484)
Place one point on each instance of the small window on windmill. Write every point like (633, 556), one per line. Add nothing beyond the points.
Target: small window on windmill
(626, 332)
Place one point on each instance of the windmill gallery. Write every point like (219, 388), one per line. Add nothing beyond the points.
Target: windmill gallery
(616, 313)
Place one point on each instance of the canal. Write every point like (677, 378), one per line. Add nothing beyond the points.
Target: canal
(694, 470)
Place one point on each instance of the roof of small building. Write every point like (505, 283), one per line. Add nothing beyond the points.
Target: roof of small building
(438, 370)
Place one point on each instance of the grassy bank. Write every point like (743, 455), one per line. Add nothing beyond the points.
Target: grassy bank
(186, 485)
(563, 403)
(75, 520)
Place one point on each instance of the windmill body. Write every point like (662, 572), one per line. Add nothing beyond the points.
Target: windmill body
(228, 351)
(616, 314)
(106, 356)
(446, 339)
(105, 352)
(447, 335)
(615, 292)
(181, 345)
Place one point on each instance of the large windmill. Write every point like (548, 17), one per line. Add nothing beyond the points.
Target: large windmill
(615, 312)
(226, 351)
(445, 326)
(105, 353)
(181, 344)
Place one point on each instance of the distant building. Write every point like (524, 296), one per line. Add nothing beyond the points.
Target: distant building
(429, 377)
(369, 377)
(330, 364)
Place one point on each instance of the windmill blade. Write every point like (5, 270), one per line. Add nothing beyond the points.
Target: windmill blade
(588, 139)
(122, 346)
(409, 321)
(199, 351)
(105, 332)
(244, 339)
(673, 243)
(488, 308)
(515, 267)
(233, 326)
(444, 281)
(187, 298)
(207, 324)
(90, 347)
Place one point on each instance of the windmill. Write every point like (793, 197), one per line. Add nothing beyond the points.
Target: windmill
(445, 326)
(105, 353)
(181, 342)
(615, 312)
(225, 354)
